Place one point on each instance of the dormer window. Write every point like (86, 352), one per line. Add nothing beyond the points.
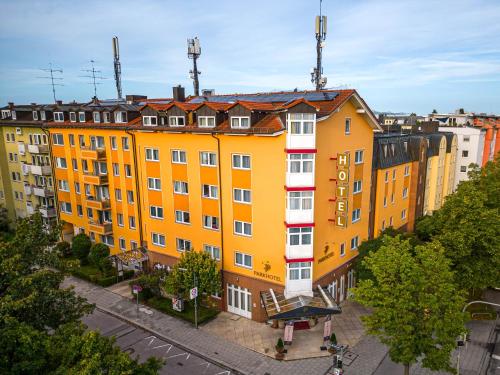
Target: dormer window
(240, 122)
(96, 116)
(81, 116)
(13, 114)
(149, 120)
(72, 116)
(42, 116)
(176, 121)
(5, 113)
(206, 121)
(59, 116)
(106, 117)
(121, 116)
(35, 115)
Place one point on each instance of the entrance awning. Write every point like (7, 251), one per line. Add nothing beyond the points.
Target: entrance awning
(279, 307)
(131, 257)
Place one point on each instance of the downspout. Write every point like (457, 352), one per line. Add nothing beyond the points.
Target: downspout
(52, 168)
(137, 186)
(220, 210)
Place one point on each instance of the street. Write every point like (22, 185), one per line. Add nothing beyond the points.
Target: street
(138, 342)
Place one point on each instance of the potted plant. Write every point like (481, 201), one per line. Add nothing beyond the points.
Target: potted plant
(280, 349)
(333, 343)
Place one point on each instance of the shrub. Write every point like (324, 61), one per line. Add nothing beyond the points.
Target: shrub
(98, 257)
(63, 249)
(280, 345)
(81, 247)
(333, 339)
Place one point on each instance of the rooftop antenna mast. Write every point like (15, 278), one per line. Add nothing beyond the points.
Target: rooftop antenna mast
(194, 51)
(92, 75)
(53, 80)
(317, 73)
(118, 67)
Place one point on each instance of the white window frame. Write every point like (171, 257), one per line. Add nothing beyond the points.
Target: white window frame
(43, 116)
(208, 159)
(213, 222)
(403, 214)
(80, 115)
(299, 271)
(405, 192)
(154, 183)
(244, 227)
(356, 215)
(131, 220)
(63, 185)
(120, 116)
(112, 141)
(303, 234)
(173, 121)
(241, 193)
(209, 191)
(180, 217)
(58, 116)
(181, 187)
(354, 242)
(59, 163)
(358, 157)
(122, 243)
(125, 144)
(206, 118)
(238, 123)
(96, 116)
(182, 244)
(119, 219)
(303, 161)
(148, 120)
(347, 126)
(106, 117)
(158, 239)
(214, 251)
(243, 262)
(35, 115)
(357, 187)
(407, 170)
(152, 154)
(177, 156)
(239, 159)
(300, 200)
(57, 139)
(156, 212)
(301, 124)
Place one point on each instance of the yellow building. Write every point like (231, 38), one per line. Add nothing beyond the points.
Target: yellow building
(25, 166)
(450, 163)
(436, 157)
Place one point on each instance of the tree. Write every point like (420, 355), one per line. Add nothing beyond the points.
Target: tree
(196, 263)
(98, 257)
(4, 220)
(63, 249)
(81, 247)
(416, 305)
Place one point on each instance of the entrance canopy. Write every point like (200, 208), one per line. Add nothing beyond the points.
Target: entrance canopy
(279, 307)
(131, 257)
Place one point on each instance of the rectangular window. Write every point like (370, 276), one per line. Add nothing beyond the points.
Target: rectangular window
(119, 219)
(106, 116)
(180, 187)
(466, 138)
(108, 240)
(347, 127)
(214, 251)
(156, 212)
(66, 207)
(342, 249)
(386, 176)
(356, 215)
(392, 197)
(182, 244)
(114, 145)
(209, 191)
(176, 121)
(182, 217)
(405, 192)
(35, 115)
(357, 187)
(154, 183)
(130, 196)
(208, 159)
(463, 168)
(72, 140)
(79, 209)
(243, 229)
(149, 120)
(242, 260)
(57, 139)
(390, 221)
(465, 153)
(81, 140)
(385, 201)
(96, 116)
(206, 121)
(240, 122)
(63, 185)
(393, 174)
(81, 116)
(358, 157)
(72, 116)
(116, 169)
(301, 123)
(354, 243)
(61, 163)
(118, 195)
(210, 222)
(125, 144)
(300, 200)
(121, 116)
(59, 117)
(407, 170)
(242, 195)
(152, 154)
(179, 156)
(300, 163)
(300, 236)
(123, 244)
(128, 170)
(158, 239)
(241, 161)
(403, 214)
(299, 270)
(131, 222)
(43, 117)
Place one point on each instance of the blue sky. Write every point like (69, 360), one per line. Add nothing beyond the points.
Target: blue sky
(401, 55)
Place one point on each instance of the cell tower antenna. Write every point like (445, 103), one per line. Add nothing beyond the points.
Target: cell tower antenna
(92, 76)
(118, 67)
(194, 51)
(320, 30)
(53, 80)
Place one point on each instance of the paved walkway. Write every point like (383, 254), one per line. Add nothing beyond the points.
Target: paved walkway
(219, 350)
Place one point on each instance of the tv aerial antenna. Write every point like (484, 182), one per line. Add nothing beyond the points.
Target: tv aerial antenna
(320, 30)
(53, 79)
(194, 51)
(93, 77)
(118, 67)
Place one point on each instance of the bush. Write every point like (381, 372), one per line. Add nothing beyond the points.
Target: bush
(63, 249)
(150, 283)
(165, 305)
(98, 257)
(81, 247)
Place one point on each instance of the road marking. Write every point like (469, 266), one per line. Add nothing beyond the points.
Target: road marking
(224, 373)
(178, 355)
(152, 339)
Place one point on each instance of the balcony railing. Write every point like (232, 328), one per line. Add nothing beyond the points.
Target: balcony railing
(25, 168)
(42, 191)
(38, 149)
(47, 212)
(41, 170)
(93, 153)
(95, 179)
(28, 190)
(98, 204)
(100, 228)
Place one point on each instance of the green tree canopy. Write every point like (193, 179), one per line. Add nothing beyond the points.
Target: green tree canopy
(416, 305)
(81, 247)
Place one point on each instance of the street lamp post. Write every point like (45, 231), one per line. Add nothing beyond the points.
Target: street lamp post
(195, 284)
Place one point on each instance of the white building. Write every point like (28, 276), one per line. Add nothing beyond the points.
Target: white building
(470, 149)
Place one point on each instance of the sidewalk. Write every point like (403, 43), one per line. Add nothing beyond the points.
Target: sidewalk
(363, 359)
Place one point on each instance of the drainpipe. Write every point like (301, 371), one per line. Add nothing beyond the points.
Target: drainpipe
(220, 210)
(137, 185)
(52, 168)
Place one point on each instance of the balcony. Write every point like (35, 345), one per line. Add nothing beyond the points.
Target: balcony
(94, 153)
(25, 168)
(42, 191)
(95, 179)
(47, 212)
(38, 149)
(103, 228)
(98, 204)
(41, 170)
(30, 210)
(28, 189)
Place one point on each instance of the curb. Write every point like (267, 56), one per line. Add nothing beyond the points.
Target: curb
(218, 362)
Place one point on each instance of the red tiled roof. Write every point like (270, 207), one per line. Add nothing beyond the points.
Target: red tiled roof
(216, 106)
(254, 106)
(271, 123)
(298, 101)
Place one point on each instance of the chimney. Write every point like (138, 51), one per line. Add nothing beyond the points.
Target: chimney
(59, 102)
(11, 105)
(179, 94)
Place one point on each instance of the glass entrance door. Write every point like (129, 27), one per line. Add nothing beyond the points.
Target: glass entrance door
(239, 301)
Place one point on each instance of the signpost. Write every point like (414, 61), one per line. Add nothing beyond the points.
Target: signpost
(193, 294)
(136, 289)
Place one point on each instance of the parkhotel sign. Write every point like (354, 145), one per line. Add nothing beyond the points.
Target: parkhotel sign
(342, 189)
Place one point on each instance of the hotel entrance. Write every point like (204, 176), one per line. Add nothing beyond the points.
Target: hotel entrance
(239, 301)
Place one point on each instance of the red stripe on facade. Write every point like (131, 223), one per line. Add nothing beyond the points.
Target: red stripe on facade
(301, 150)
(297, 260)
(300, 188)
(299, 225)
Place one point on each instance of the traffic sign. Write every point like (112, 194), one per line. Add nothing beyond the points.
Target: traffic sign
(193, 293)
(136, 289)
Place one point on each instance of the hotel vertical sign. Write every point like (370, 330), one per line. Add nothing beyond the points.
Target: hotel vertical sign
(342, 189)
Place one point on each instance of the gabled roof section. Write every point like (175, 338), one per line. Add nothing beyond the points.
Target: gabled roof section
(214, 105)
(295, 102)
(253, 106)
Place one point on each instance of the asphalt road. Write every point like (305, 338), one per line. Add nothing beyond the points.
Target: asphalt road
(141, 343)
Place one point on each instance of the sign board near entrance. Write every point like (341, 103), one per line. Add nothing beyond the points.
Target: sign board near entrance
(193, 293)
(177, 304)
(342, 189)
(288, 337)
(136, 289)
